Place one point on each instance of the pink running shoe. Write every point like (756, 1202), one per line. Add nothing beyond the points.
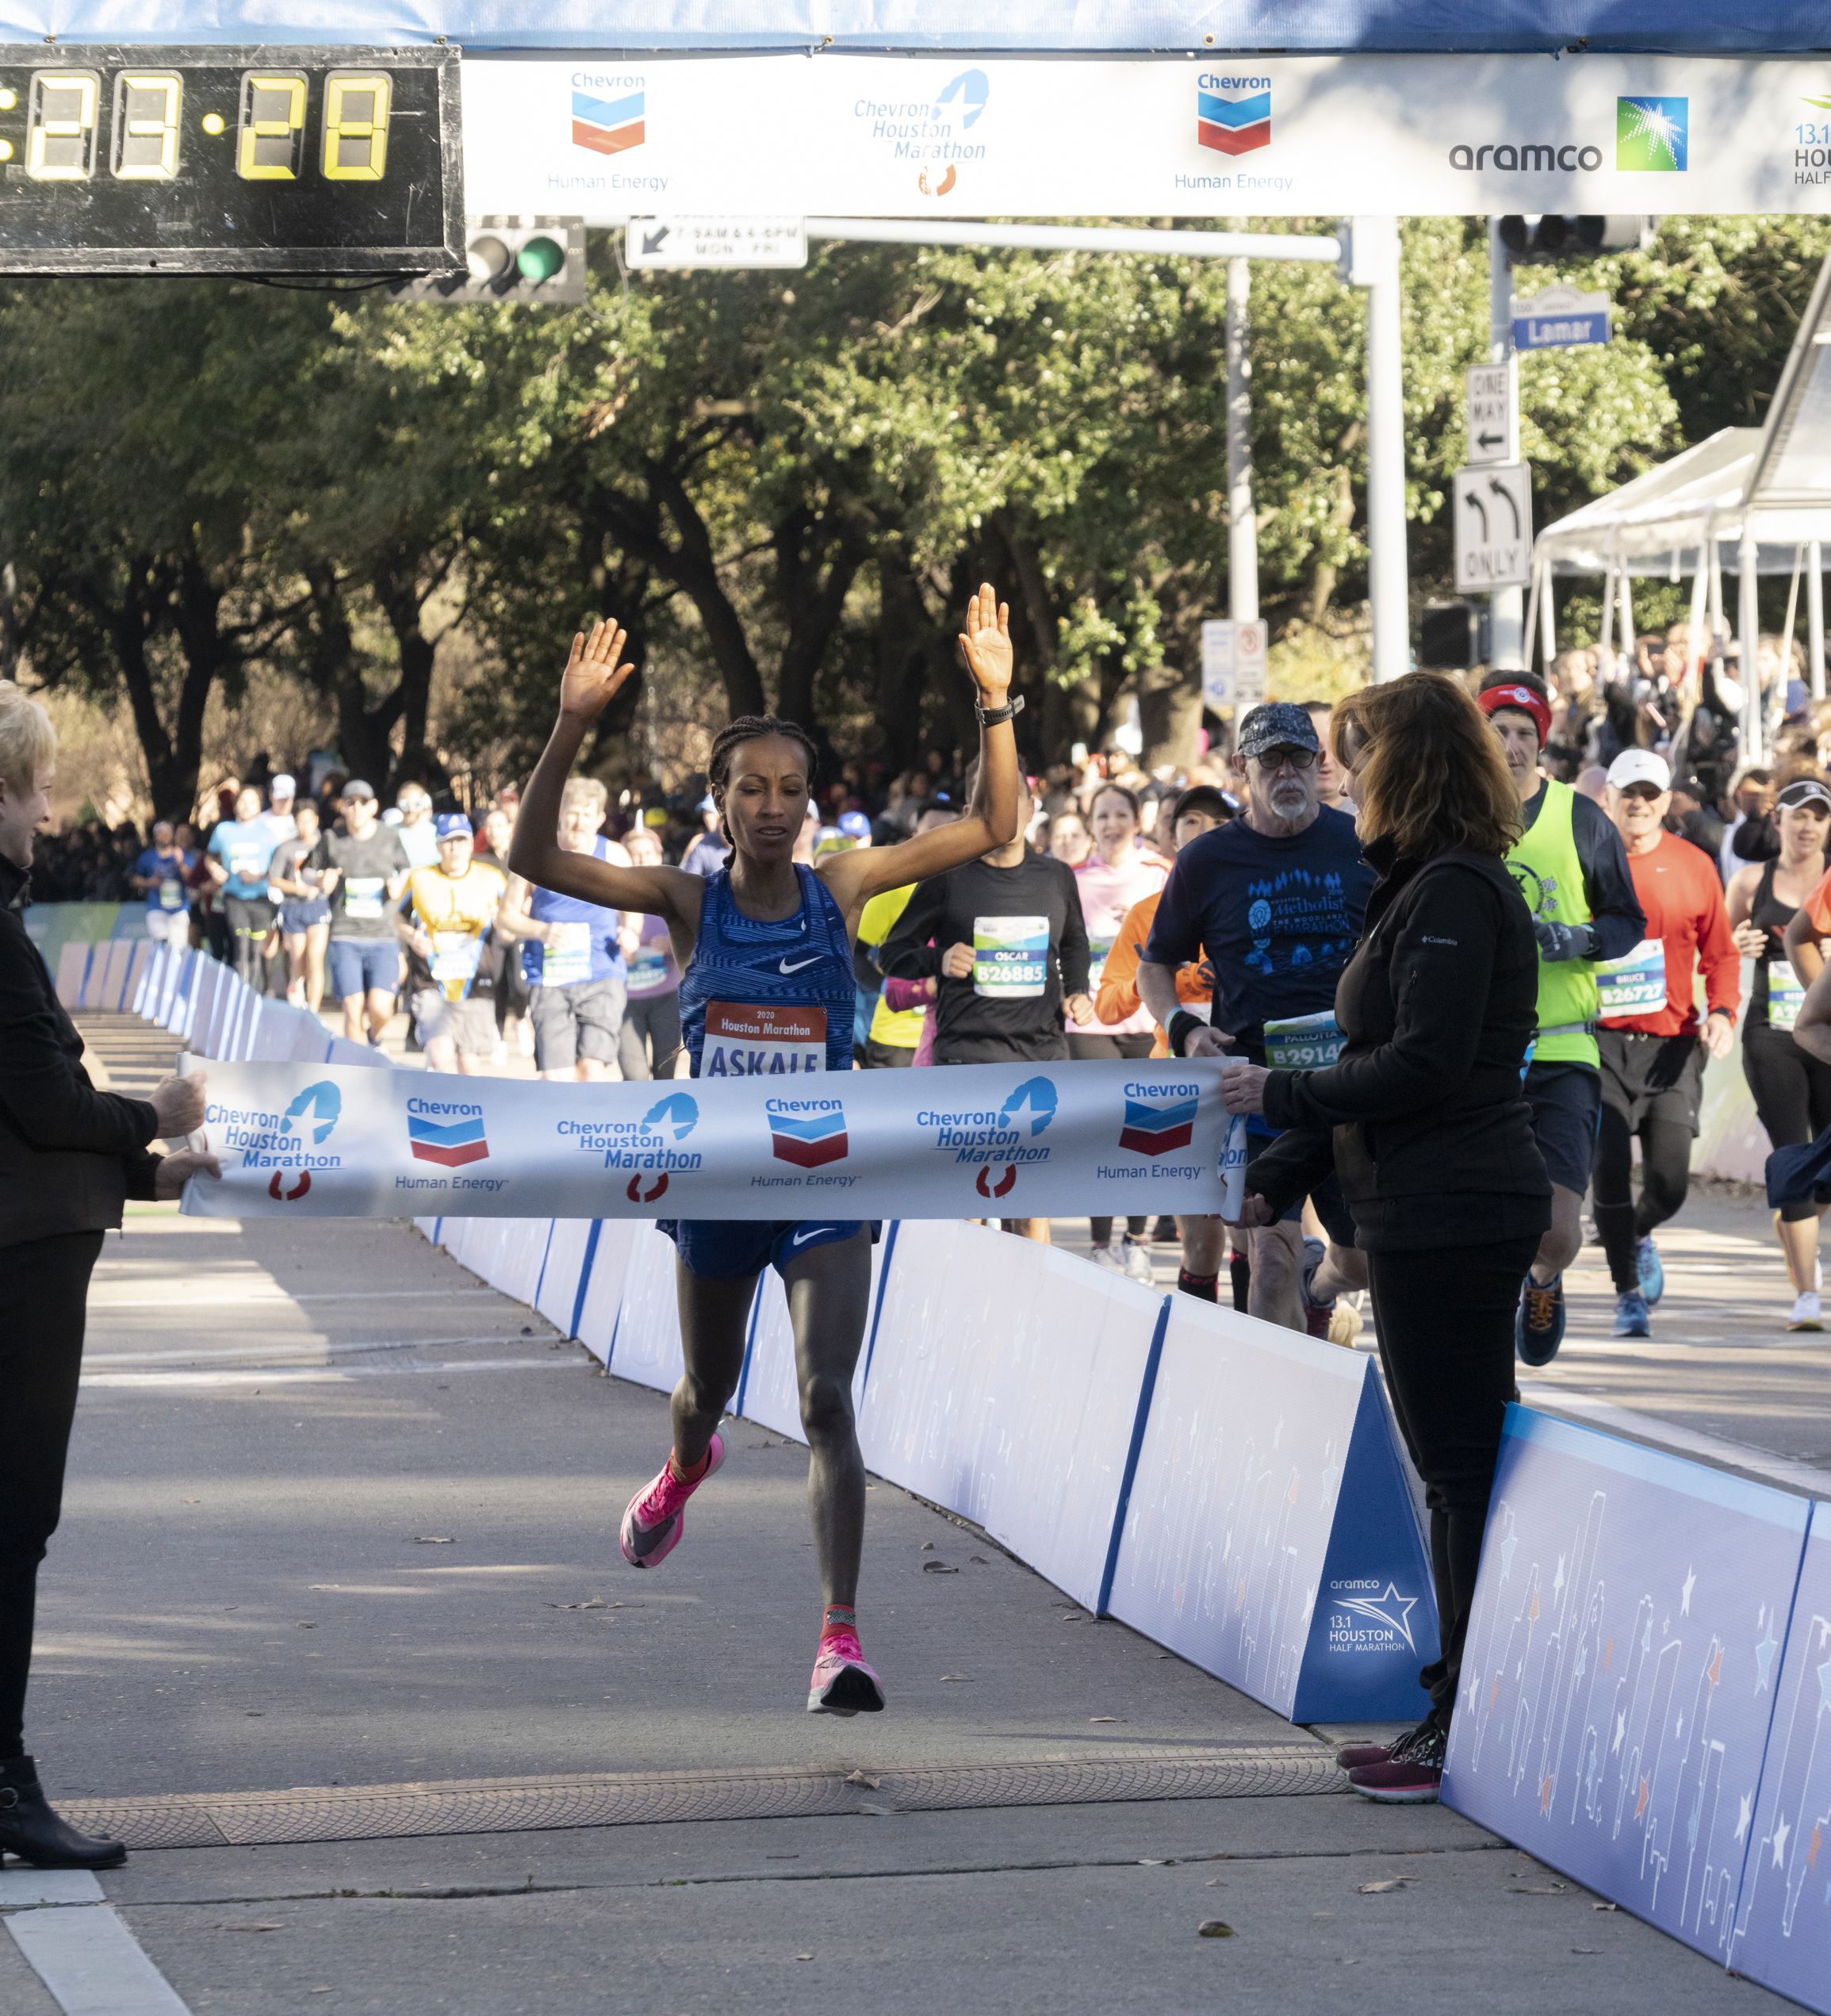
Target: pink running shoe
(655, 1519)
(843, 1684)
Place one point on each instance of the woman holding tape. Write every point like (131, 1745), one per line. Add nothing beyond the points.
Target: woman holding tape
(765, 949)
(1423, 1118)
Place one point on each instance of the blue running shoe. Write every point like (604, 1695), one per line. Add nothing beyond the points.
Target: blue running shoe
(1630, 1316)
(1538, 1327)
(1652, 1275)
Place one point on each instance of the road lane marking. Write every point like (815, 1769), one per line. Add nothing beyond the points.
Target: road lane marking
(320, 1374)
(240, 1353)
(80, 1948)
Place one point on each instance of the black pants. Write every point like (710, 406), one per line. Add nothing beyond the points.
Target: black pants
(250, 919)
(1792, 1095)
(1084, 1044)
(43, 1288)
(1445, 1325)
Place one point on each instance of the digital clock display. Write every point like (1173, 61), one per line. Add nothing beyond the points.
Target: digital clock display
(215, 160)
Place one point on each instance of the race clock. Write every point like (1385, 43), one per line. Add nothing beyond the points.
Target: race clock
(207, 159)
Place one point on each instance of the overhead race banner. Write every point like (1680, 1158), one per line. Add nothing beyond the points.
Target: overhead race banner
(1191, 135)
(1017, 1141)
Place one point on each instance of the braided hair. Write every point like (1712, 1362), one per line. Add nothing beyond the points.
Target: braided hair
(750, 728)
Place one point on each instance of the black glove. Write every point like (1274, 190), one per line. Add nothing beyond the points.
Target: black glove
(1558, 942)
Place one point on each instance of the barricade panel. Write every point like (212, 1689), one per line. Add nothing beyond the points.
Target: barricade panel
(647, 1347)
(556, 1296)
(72, 970)
(1005, 1386)
(1621, 1666)
(1254, 1434)
(603, 1299)
(770, 1393)
(1783, 1918)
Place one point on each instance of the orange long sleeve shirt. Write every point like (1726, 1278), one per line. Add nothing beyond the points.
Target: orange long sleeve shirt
(1118, 996)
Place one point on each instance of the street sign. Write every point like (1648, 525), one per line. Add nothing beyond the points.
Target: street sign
(715, 242)
(1493, 527)
(1559, 318)
(1491, 413)
(1232, 664)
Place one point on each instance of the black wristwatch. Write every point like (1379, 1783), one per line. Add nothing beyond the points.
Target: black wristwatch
(989, 717)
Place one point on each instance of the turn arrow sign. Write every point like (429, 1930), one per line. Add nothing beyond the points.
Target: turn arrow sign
(653, 240)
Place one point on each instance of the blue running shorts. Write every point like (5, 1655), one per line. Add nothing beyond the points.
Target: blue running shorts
(729, 1249)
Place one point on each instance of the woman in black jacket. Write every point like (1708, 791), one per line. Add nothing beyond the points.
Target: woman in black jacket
(1423, 1119)
(70, 1156)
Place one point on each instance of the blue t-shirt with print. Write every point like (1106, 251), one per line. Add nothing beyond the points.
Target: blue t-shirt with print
(167, 873)
(245, 848)
(1277, 918)
(586, 948)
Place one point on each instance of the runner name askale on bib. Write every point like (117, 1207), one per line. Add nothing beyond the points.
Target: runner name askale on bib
(762, 1042)
(1010, 957)
(1635, 984)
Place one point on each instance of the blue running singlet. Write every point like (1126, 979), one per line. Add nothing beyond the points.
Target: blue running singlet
(759, 999)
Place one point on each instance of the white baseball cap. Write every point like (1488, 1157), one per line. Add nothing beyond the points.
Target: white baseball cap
(282, 786)
(1640, 766)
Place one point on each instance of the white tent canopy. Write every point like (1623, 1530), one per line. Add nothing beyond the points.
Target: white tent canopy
(1658, 523)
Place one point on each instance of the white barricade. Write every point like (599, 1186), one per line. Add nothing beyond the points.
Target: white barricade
(646, 1346)
(509, 1254)
(106, 970)
(1005, 1383)
(72, 971)
(604, 1295)
(570, 1254)
(140, 951)
(1269, 1535)
(147, 982)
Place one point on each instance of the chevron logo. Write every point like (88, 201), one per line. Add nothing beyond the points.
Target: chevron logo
(451, 1144)
(1157, 1127)
(809, 1141)
(1231, 123)
(609, 125)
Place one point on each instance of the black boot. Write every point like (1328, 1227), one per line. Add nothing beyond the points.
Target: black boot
(30, 1830)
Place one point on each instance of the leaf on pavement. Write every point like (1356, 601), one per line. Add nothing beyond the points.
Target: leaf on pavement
(1214, 1928)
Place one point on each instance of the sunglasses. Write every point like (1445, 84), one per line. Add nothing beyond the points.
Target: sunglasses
(1286, 758)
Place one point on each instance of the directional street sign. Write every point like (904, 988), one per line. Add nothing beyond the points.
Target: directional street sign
(715, 242)
(1559, 318)
(1493, 527)
(1232, 664)
(1491, 411)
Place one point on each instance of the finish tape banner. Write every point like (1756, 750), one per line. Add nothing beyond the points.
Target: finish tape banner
(973, 1140)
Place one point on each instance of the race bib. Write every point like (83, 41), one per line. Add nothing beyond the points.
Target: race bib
(1786, 995)
(1011, 957)
(455, 957)
(248, 863)
(649, 969)
(171, 896)
(1635, 985)
(747, 1042)
(566, 958)
(1099, 950)
(1303, 1042)
(363, 895)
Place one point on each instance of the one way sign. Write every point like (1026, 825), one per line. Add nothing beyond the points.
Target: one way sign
(1493, 527)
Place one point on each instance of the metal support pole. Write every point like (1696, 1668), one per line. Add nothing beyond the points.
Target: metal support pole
(1376, 254)
(1507, 606)
(1627, 633)
(1548, 620)
(1815, 619)
(1749, 626)
(1242, 522)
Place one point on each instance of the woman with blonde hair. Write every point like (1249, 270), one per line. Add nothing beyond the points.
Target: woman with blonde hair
(1423, 1119)
(70, 1157)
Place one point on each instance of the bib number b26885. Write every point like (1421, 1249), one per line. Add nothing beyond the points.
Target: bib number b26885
(1010, 957)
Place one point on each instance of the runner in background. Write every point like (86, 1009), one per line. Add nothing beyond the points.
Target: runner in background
(1332, 779)
(239, 852)
(363, 871)
(893, 1036)
(305, 913)
(571, 954)
(1274, 902)
(1651, 1054)
(444, 922)
(1070, 842)
(417, 832)
(1196, 810)
(159, 876)
(1004, 940)
(1116, 876)
(1792, 1089)
(281, 823)
(513, 1027)
(766, 988)
(650, 1044)
(1573, 871)
(708, 850)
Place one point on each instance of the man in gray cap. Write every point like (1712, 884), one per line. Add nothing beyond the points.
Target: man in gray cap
(1274, 902)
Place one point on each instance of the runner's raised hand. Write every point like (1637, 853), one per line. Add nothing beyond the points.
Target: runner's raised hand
(986, 643)
(595, 669)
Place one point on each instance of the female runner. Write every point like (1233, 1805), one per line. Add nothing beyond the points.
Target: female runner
(765, 947)
(1792, 1089)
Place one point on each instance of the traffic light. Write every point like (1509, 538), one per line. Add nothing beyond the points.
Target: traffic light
(511, 259)
(1548, 240)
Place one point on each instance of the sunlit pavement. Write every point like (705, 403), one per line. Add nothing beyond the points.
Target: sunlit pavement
(338, 1515)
